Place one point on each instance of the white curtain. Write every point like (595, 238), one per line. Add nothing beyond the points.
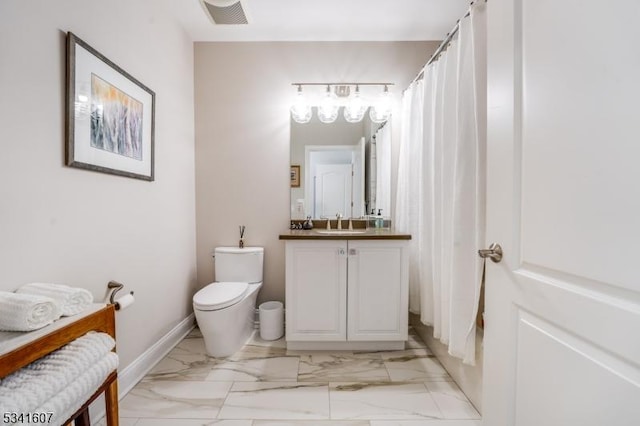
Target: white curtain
(383, 170)
(441, 186)
(410, 182)
(469, 188)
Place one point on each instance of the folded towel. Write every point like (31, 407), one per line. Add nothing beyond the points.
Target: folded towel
(71, 300)
(30, 387)
(26, 312)
(66, 403)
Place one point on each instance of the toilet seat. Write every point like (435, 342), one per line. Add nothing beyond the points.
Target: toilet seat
(219, 295)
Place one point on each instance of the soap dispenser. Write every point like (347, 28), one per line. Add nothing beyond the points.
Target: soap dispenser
(379, 223)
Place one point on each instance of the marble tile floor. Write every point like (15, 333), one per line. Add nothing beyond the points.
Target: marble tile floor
(266, 385)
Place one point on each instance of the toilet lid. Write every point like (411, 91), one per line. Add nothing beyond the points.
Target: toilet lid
(219, 295)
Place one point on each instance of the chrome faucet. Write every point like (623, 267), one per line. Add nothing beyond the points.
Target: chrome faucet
(339, 220)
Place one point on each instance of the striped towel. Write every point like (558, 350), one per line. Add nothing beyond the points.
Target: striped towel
(30, 387)
(26, 312)
(71, 300)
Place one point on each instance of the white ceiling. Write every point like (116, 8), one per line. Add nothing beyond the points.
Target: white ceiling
(327, 20)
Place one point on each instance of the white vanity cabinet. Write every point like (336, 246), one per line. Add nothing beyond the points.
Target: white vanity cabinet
(377, 290)
(316, 290)
(346, 294)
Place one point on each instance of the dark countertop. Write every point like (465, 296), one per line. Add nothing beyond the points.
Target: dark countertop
(369, 234)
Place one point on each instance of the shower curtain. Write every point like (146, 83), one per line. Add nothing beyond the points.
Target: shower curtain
(441, 186)
(410, 179)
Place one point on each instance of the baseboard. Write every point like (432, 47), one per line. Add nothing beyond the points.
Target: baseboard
(129, 376)
(393, 345)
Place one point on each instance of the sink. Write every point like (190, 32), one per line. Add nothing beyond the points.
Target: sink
(340, 231)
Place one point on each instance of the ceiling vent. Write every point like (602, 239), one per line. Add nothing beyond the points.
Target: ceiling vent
(225, 12)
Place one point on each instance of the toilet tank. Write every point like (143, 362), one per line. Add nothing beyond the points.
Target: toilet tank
(239, 264)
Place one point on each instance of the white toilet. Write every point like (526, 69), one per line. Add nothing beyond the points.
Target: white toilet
(225, 308)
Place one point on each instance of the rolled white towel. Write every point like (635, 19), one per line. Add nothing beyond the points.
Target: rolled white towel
(71, 300)
(26, 312)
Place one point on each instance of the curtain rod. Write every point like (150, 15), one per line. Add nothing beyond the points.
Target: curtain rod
(342, 84)
(443, 45)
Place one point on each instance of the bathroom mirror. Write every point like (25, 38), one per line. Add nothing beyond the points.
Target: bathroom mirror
(340, 168)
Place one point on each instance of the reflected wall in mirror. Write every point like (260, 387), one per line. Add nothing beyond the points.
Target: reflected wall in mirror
(345, 168)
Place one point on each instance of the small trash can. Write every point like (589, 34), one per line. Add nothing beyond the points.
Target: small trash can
(271, 320)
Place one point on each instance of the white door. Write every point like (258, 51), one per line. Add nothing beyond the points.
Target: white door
(378, 290)
(333, 188)
(316, 290)
(562, 336)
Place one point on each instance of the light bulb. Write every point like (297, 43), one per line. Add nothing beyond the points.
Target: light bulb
(381, 109)
(300, 110)
(355, 108)
(328, 108)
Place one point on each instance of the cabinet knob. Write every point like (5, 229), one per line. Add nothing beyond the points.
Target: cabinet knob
(352, 252)
(341, 252)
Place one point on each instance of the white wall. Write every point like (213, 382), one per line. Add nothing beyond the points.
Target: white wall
(243, 95)
(82, 228)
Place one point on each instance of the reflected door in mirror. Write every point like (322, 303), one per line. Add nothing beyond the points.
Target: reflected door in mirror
(333, 183)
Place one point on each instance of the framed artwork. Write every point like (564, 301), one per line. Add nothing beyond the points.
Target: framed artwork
(295, 176)
(110, 115)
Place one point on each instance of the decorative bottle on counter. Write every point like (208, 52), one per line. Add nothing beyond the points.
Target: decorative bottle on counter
(307, 224)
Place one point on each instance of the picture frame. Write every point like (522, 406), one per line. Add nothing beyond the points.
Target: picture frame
(295, 176)
(110, 119)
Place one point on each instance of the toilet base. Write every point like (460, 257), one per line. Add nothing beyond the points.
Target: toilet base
(226, 330)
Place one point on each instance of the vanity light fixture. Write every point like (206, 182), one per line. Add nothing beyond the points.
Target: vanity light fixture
(380, 111)
(329, 104)
(301, 110)
(328, 108)
(355, 108)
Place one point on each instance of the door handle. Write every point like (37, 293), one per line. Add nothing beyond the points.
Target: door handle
(494, 252)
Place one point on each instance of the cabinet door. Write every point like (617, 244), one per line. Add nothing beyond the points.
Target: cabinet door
(378, 290)
(316, 290)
